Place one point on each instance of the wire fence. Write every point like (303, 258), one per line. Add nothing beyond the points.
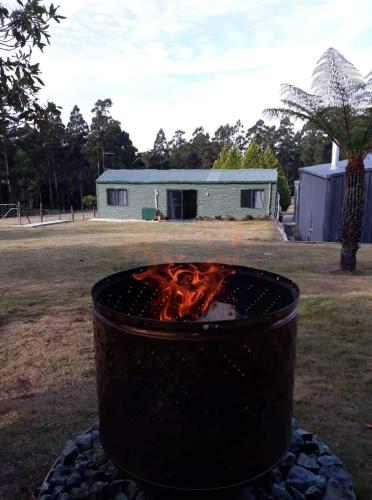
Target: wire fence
(45, 214)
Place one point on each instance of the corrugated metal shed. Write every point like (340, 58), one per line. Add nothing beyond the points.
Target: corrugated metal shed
(324, 170)
(186, 176)
(320, 198)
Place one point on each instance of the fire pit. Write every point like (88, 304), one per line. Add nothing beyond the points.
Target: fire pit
(201, 399)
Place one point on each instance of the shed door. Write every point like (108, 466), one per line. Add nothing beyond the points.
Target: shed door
(182, 204)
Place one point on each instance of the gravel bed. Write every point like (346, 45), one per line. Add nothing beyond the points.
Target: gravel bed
(309, 471)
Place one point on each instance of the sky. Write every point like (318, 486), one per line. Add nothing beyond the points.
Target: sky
(181, 64)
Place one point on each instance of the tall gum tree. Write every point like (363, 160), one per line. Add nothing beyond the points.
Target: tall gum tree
(341, 106)
(23, 28)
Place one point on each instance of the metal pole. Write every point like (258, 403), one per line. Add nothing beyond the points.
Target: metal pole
(94, 212)
(19, 213)
(83, 212)
(72, 213)
(41, 212)
(59, 213)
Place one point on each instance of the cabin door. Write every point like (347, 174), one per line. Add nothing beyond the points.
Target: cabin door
(182, 204)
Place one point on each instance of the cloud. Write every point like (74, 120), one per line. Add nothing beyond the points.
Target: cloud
(188, 63)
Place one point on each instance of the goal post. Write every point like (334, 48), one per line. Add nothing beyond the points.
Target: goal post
(8, 210)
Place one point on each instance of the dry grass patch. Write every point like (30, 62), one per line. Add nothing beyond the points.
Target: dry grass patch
(47, 392)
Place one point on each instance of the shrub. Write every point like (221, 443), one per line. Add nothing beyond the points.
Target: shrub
(89, 201)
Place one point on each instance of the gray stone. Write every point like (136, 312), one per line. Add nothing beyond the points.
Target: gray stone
(64, 496)
(98, 490)
(121, 496)
(84, 442)
(299, 477)
(311, 446)
(44, 490)
(314, 493)
(295, 484)
(337, 473)
(306, 436)
(99, 475)
(61, 470)
(99, 457)
(338, 491)
(131, 489)
(248, 494)
(308, 461)
(142, 495)
(56, 480)
(69, 452)
(297, 439)
(276, 475)
(296, 494)
(73, 480)
(329, 460)
(80, 493)
(58, 489)
(280, 492)
(118, 486)
(323, 449)
(318, 481)
(288, 460)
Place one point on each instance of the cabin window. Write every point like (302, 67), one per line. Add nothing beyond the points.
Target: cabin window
(117, 197)
(252, 198)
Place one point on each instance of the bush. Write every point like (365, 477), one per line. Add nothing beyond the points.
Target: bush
(89, 201)
(284, 191)
(228, 217)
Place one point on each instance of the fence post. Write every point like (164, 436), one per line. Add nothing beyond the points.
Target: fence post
(41, 212)
(94, 212)
(72, 213)
(19, 212)
(59, 212)
(83, 212)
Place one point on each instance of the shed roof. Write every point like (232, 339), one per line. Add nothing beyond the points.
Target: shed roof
(324, 170)
(187, 176)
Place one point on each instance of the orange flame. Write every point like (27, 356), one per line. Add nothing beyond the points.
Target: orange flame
(184, 291)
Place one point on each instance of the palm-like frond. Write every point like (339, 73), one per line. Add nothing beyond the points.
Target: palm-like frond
(341, 102)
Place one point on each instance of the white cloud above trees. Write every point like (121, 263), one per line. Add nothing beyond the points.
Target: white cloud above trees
(185, 63)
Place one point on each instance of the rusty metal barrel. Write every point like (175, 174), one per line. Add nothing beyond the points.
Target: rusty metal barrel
(196, 405)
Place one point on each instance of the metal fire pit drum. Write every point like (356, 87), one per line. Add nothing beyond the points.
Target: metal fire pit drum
(196, 405)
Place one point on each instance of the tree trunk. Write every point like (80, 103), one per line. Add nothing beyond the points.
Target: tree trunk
(81, 185)
(50, 192)
(352, 212)
(7, 173)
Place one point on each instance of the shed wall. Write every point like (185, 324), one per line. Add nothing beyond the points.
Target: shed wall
(222, 199)
(311, 207)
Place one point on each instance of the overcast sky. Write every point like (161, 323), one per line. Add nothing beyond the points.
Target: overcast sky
(179, 64)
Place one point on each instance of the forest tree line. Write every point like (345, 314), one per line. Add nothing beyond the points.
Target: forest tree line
(57, 164)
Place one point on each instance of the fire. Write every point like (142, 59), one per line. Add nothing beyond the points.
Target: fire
(184, 291)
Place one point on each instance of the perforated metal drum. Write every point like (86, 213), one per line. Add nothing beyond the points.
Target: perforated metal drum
(196, 405)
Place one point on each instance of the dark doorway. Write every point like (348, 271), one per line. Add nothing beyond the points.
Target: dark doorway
(182, 204)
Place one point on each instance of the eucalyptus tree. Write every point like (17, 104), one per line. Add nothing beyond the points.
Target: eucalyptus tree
(341, 105)
(160, 153)
(111, 146)
(22, 29)
(77, 131)
(52, 142)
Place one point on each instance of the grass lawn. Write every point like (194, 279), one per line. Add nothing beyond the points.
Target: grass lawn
(47, 390)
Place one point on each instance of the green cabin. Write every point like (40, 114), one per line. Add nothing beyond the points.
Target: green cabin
(182, 194)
